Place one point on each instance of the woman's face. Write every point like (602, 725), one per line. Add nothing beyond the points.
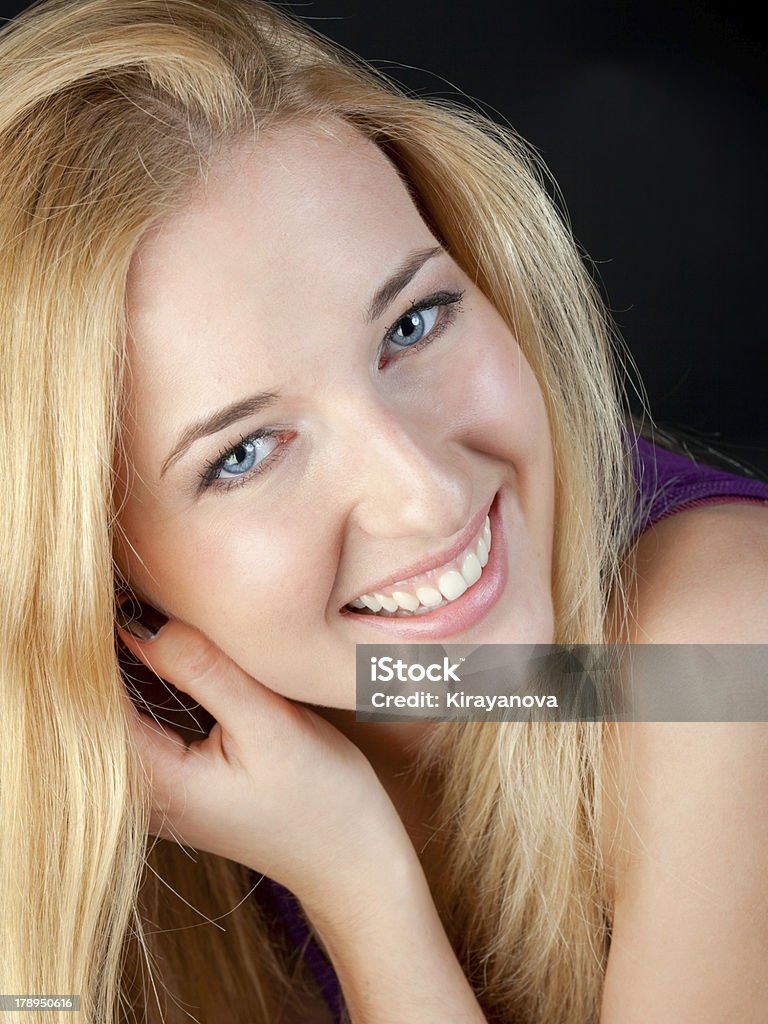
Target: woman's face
(295, 274)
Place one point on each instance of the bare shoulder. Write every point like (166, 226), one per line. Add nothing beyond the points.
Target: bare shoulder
(685, 821)
(701, 576)
(689, 901)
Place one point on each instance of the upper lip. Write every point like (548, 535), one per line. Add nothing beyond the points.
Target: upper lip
(403, 576)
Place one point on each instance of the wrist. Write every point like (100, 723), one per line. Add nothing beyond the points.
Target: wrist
(356, 890)
(389, 948)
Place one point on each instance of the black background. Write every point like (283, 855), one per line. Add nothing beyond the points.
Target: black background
(651, 117)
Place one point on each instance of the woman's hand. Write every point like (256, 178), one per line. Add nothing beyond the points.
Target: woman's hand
(273, 786)
(277, 788)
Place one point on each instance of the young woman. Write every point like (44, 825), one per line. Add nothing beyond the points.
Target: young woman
(282, 349)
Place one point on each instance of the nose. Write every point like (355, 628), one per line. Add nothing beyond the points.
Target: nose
(403, 475)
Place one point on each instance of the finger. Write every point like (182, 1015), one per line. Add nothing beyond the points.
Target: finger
(160, 747)
(163, 753)
(163, 757)
(185, 657)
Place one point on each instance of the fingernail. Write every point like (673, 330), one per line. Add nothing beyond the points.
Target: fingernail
(140, 619)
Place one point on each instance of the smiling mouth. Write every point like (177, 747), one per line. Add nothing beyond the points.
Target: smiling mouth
(434, 589)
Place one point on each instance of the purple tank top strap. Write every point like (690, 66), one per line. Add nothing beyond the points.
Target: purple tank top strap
(671, 483)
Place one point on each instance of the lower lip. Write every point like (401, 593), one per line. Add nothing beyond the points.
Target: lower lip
(461, 614)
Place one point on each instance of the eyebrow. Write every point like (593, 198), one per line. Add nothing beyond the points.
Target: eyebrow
(401, 278)
(218, 421)
(225, 417)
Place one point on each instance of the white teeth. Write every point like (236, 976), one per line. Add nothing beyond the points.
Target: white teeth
(429, 597)
(407, 601)
(471, 569)
(423, 611)
(402, 614)
(452, 585)
(468, 569)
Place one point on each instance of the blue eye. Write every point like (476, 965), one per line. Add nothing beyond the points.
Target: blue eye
(258, 452)
(423, 322)
(248, 457)
(413, 326)
(243, 457)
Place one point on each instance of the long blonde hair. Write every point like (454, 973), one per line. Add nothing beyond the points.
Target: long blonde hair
(110, 113)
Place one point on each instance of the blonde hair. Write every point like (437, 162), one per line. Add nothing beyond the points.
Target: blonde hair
(110, 113)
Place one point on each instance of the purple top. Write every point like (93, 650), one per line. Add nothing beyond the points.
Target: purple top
(669, 483)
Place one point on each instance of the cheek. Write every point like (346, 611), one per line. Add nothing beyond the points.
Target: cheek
(498, 400)
(503, 414)
(261, 593)
(247, 585)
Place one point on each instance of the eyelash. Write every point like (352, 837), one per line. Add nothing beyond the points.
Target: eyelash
(449, 302)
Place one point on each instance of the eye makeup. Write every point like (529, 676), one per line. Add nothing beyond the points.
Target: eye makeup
(449, 305)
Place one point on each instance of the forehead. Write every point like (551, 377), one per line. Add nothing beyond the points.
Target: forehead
(301, 222)
(288, 200)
